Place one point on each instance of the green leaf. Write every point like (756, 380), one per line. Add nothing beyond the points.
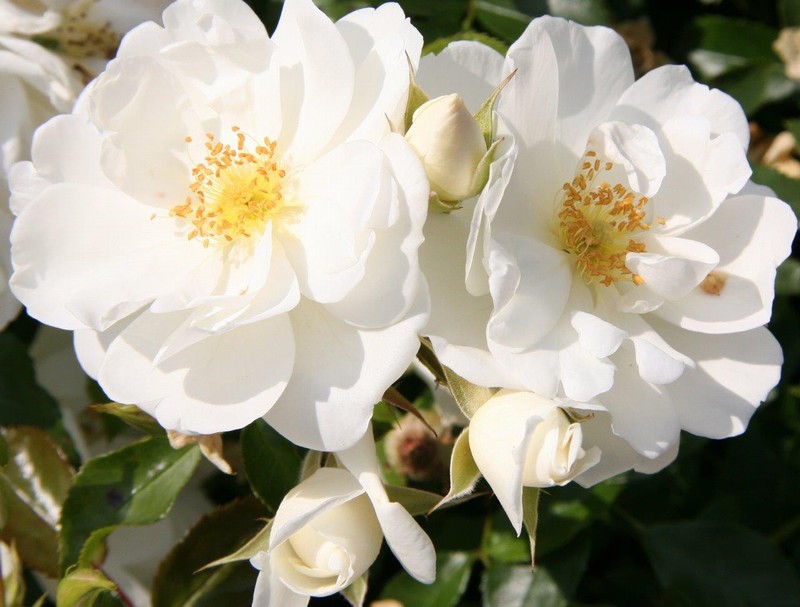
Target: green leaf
(789, 12)
(787, 281)
(710, 564)
(133, 486)
(506, 585)
(725, 44)
(564, 512)
(464, 473)
(415, 501)
(34, 485)
(501, 19)
(586, 12)
(356, 592)
(757, 85)
(437, 46)
(271, 462)
(786, 188)
(434, 19)
(508, 18)
(793, 126)
(228, 586)
(501, 543)
(452, 574)
(179, 580)
(131, 415)
(86, 588)
(22, 401)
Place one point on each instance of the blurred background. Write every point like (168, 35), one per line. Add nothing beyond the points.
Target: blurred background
(718, 528)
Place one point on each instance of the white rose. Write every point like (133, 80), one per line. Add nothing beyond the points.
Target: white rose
(450, 144)
(328, 530)
(86, 33)
(625, 260)
(520, 439)
(242, 227)
(34, 86)
(333, 537)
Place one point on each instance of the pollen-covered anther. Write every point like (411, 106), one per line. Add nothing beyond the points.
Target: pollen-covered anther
(234, 191)
(714, 283)
(597, 222)
(80, 37)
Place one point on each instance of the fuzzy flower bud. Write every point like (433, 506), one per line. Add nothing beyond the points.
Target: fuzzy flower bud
(450, 144)
(413, 450)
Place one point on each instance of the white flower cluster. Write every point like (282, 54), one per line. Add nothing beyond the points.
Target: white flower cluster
(239, 226)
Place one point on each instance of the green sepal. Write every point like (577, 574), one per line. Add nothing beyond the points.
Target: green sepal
(464, 473)
(356, 592)
(415, 501)
(437, 46)
(427, 357)
(258, 543)
(416, 97)
(481, 175)
(485, 116)
(437, 205)
(131, 415)
(393, 397)
(311, 463)
(530, 516)
(470, 397)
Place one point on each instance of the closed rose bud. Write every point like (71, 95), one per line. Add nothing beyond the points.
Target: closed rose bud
(522, 439)
(325, 535)
(329, 529)
(450, 144)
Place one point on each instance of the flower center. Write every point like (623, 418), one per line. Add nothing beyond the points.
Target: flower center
(597, 223)
(79, 38)
(235, 192)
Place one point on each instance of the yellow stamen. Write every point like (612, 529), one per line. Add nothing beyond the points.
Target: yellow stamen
(234, 191)
(597, 222)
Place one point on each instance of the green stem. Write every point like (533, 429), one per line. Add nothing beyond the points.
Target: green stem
(782, 533)
(2, 587)
(469, 19)
(637, 527)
